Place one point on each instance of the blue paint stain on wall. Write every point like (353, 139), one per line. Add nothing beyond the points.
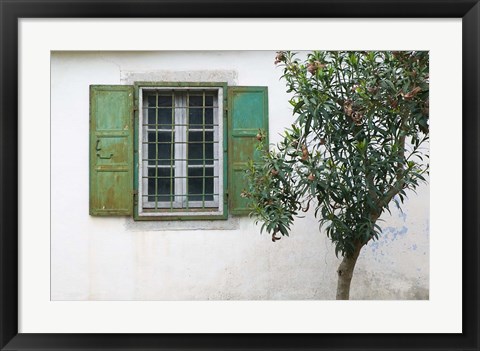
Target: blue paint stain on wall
(393, 232)
(389, 235)
(427, 228)
(402, 215)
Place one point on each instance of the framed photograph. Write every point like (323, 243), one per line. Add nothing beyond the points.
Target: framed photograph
(234, 175)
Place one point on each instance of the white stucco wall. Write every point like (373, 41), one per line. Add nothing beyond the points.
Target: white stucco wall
(95, 258)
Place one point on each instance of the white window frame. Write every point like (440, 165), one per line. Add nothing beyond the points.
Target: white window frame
(212, 208)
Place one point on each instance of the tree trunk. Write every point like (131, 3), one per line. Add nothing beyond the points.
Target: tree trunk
(345, 273)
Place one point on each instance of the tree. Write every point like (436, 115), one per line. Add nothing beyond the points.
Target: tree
(356, 146)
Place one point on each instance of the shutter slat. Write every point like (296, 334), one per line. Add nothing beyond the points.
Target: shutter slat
(111, 150)
(248, 112)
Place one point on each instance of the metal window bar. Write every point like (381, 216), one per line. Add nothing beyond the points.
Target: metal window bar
(187, 149)
(180, 142)
(178, 124)
(179, 159)
(180, 106)
(172, 147)
(182, 177)
(183, 195)
(156, 150)
(203, 146)
(182, 111)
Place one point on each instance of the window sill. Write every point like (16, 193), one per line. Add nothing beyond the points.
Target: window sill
(231, 223)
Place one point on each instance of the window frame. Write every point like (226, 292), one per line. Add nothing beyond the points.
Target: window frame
(180, 150)
(193, 213)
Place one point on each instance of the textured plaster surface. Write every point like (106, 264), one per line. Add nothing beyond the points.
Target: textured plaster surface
(96, 258)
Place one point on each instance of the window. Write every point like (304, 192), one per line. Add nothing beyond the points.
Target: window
(172, 151)
(181, 151)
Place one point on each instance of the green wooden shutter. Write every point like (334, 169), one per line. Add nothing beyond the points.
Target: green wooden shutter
(111, 150)
(247, 113)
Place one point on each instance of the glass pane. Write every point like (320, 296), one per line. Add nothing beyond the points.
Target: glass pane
(151, 184)
(208, 100)
(195, 117)
(209, 184)
(196, 147)
(196, 182)
(163, 150)
(151, 116)
(152, 148)
(163, 109)
(152, 100)
(195, 100)
(197, 113)
(164, 184)
(209, 118)
(195, 185)
(208, 148)
(165, 100)
(152, 154)
(165, 118)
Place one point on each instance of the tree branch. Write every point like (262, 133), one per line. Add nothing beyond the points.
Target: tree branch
(400, 173)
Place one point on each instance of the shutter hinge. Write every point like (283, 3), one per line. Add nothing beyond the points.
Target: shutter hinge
(134, 109)
(135, 197)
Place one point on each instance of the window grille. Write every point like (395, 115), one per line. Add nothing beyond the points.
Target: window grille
(181, 153)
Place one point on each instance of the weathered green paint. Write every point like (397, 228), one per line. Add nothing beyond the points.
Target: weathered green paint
(114, 138)
(136, 145)
(111, 150)
(247, 113)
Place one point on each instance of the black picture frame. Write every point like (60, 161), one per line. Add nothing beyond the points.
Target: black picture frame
(11, 11)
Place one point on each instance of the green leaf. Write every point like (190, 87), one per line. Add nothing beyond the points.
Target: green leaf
(298, 106)
(342, 152)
